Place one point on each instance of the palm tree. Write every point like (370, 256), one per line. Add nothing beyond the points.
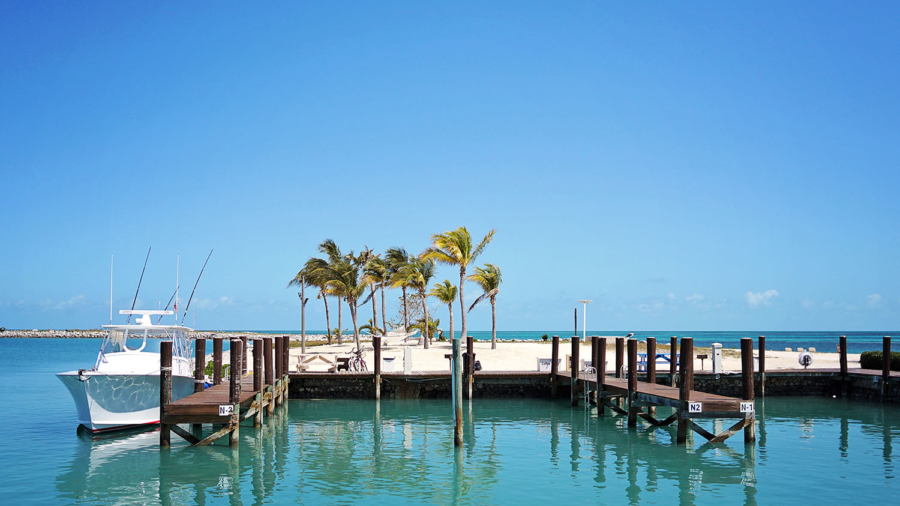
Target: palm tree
(371, 327)
(317, 275)
(455, 247)
(374, 270)
(302, 280)
(348, 284)
(331, 249)
(445, 292)
(426, 329)
(489, 279)
(416, 274)
(396, 258)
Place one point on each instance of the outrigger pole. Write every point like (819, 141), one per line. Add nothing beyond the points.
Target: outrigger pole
(139, 284)
(195, 288)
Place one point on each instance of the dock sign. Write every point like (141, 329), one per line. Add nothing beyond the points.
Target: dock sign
(695, 407)
(226, 409)
(746, 407)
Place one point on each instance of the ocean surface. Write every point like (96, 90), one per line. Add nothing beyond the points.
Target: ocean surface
(857, 342)
(519, 451)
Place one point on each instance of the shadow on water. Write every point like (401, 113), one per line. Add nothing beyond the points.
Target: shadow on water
(516, 451)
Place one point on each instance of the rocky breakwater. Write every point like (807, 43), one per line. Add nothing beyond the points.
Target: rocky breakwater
(64, 334)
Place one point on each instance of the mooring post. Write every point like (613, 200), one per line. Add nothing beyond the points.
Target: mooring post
(601, 374)
(376, 343)
(244, 355)
(747, 392)
(470, 371)
(199, 372)
(762, 366)
(258, 384)
(575, 368)
(217, 360)
(234, 391)
(554, 368)
(279, 373)
(651, 368)
(673, 359)
(620, 355)
(686, 385)
(270, 374)
(885, 366)
(457, 393)
(595, 361)
(285, 369)
(165, 389)
(632, 382)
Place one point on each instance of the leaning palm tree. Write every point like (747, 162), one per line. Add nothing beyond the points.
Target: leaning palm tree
(374, 270)
(416, 274)
(317, 275)
(302, 280)
(396, 258)
(489, 279)
(455, 247)
(445, 292)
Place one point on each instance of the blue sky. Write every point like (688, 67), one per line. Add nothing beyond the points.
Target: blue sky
(699, 166)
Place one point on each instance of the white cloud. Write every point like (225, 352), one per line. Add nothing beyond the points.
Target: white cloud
(807, 304)
(672, 296)
(874, 300)
(756, 299)
(75, 301)
(694, 298)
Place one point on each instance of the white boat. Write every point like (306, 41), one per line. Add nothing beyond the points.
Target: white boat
(122, 389)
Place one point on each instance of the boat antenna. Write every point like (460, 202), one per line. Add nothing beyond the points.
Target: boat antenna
(195, 288)
(139, 284)
(167, 305)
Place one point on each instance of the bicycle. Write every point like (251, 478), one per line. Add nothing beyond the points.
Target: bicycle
(357, 362)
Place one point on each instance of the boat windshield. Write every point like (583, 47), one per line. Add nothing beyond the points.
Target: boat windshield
(135, 340)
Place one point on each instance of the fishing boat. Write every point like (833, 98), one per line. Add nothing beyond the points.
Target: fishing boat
(122, 389)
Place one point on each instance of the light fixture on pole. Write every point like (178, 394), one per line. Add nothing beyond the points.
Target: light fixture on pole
(585, 302)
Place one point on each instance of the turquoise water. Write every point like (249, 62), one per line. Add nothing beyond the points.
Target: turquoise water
(809, 450)
(857, 342)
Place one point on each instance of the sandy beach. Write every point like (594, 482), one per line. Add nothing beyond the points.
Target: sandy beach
(523, 356)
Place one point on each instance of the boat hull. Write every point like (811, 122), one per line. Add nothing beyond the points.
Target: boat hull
(108, 402)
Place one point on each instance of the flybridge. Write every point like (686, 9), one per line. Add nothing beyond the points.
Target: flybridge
(145, 314)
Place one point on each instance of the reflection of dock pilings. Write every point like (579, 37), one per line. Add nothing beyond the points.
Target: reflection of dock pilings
(226, 404)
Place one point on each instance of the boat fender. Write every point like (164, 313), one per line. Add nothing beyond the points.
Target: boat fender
(805, 358)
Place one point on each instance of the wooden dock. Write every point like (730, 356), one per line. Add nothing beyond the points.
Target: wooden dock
(227, 403)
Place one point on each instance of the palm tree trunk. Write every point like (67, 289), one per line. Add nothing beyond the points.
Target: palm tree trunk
(493, 324)
(405, 316)
(462, 303)
(450, 307)
(383, 319)
(353, 310)
(302, 316)
(340, 321)
(327, 319)
(425, 309)
(374, 310)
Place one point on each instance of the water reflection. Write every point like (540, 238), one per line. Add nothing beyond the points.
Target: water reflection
(515, 451)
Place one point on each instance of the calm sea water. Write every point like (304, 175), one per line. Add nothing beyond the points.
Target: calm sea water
(809, 450)
(857, 342)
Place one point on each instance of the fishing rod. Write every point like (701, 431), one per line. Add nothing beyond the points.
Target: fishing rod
(167, 304)
(139, 284)
(195, 288)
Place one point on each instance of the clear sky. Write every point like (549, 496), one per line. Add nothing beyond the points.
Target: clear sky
(688, 166)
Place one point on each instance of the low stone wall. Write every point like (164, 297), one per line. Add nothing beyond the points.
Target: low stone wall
(537, 385)
(415, 386)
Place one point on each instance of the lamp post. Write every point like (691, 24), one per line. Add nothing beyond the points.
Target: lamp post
(584, 302)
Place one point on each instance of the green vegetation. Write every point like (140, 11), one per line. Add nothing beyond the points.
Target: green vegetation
(489, 279)
(545, 337)
(873, 360)
(210, 368)
(445, 292)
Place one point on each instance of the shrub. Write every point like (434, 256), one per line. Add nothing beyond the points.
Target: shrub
(2, 329)
(872, 360)
(545, 337)
(209, 369)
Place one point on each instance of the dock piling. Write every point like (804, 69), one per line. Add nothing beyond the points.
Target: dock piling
(762, 366)
(575, 366)
(885, 366)
(685, 387)
(199, 370)
(601, 374)
(279, 365)
(470, 372)
(376, 343)
(258, 375)
(270, 375)
(651, 368)
(217, 360)
(234, 391)
(620, 356)
(285, 369)
(632, 382)
(747, 392)
(457, 393)
(244, 355)
(673, 359)
(554, 368)
(165, 389)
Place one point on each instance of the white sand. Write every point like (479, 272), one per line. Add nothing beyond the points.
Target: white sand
(523, 356)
